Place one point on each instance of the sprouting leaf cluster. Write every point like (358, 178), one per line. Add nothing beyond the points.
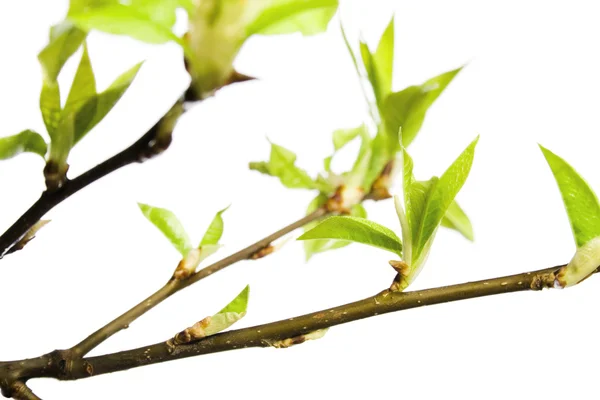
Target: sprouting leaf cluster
(398, 117)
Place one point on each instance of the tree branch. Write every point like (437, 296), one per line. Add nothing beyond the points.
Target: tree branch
(276, 334)
(152, 143)
(174, 286)
(295, 328)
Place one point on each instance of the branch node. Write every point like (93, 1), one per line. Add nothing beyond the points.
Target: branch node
(541, 281)
(193, 333)
(265, 251)
(344, 199)
(289, 342)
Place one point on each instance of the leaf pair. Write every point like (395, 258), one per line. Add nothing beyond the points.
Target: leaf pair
(173, 230)
(583, 211)
(425, 206)
(84, 107)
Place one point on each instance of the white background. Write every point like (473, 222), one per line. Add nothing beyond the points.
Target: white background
(532, 76)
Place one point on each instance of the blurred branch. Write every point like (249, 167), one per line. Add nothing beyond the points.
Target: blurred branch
(152, 143)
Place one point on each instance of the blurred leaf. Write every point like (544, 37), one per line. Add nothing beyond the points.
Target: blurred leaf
(373, 109)
(379, 65)
(215, 230)
(342, 137)
(383, 61)
(26, 141)
(99, 105)
(84, 83)
(407, 109)
(233, 312)
(355, 229)
(65, 39)
(435, 198)
(282, 165)
(382, 150)
(288, 16)
(50, 105)
(61, 142)
(580, 201)
(169, 225)
(456, 219)
(141, 23)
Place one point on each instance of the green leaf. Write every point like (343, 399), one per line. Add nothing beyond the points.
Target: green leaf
(169, 225)
(373, 108)
(456, 219)
(439, 197)
(355, 229)
(215, 230)
(50, 105)
(136, 22)
(65, 39)
(282, 165)
(407, 109)
(26, 141)
(287, 16)
(98, 106)
(383, 61)
(61, 142)
(580, 201)
(233, 312)
(382, 150)
(84, 83)
(379, 65)
(342, 137)
(312, 247)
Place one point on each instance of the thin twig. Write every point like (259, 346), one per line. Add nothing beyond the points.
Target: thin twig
(152, 143)
(174, 286)
(20, 391)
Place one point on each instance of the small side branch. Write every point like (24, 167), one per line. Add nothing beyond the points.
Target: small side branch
(174, 286)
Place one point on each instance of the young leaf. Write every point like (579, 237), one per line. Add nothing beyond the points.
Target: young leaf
(308, 17)
(282, 165)
(215, 230)
(50, 105)
(230, 314)
(84, 83)
(373, 109)
(61, 142)
(441, 195)
(128, 20)
(26, 141)
(99, 105)
(456, 219)
(355, 229)
(342, 137)
(315, 246)
(407, 109)
(169, 225)
(65, 39)
(383, 61)
(580, 201)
